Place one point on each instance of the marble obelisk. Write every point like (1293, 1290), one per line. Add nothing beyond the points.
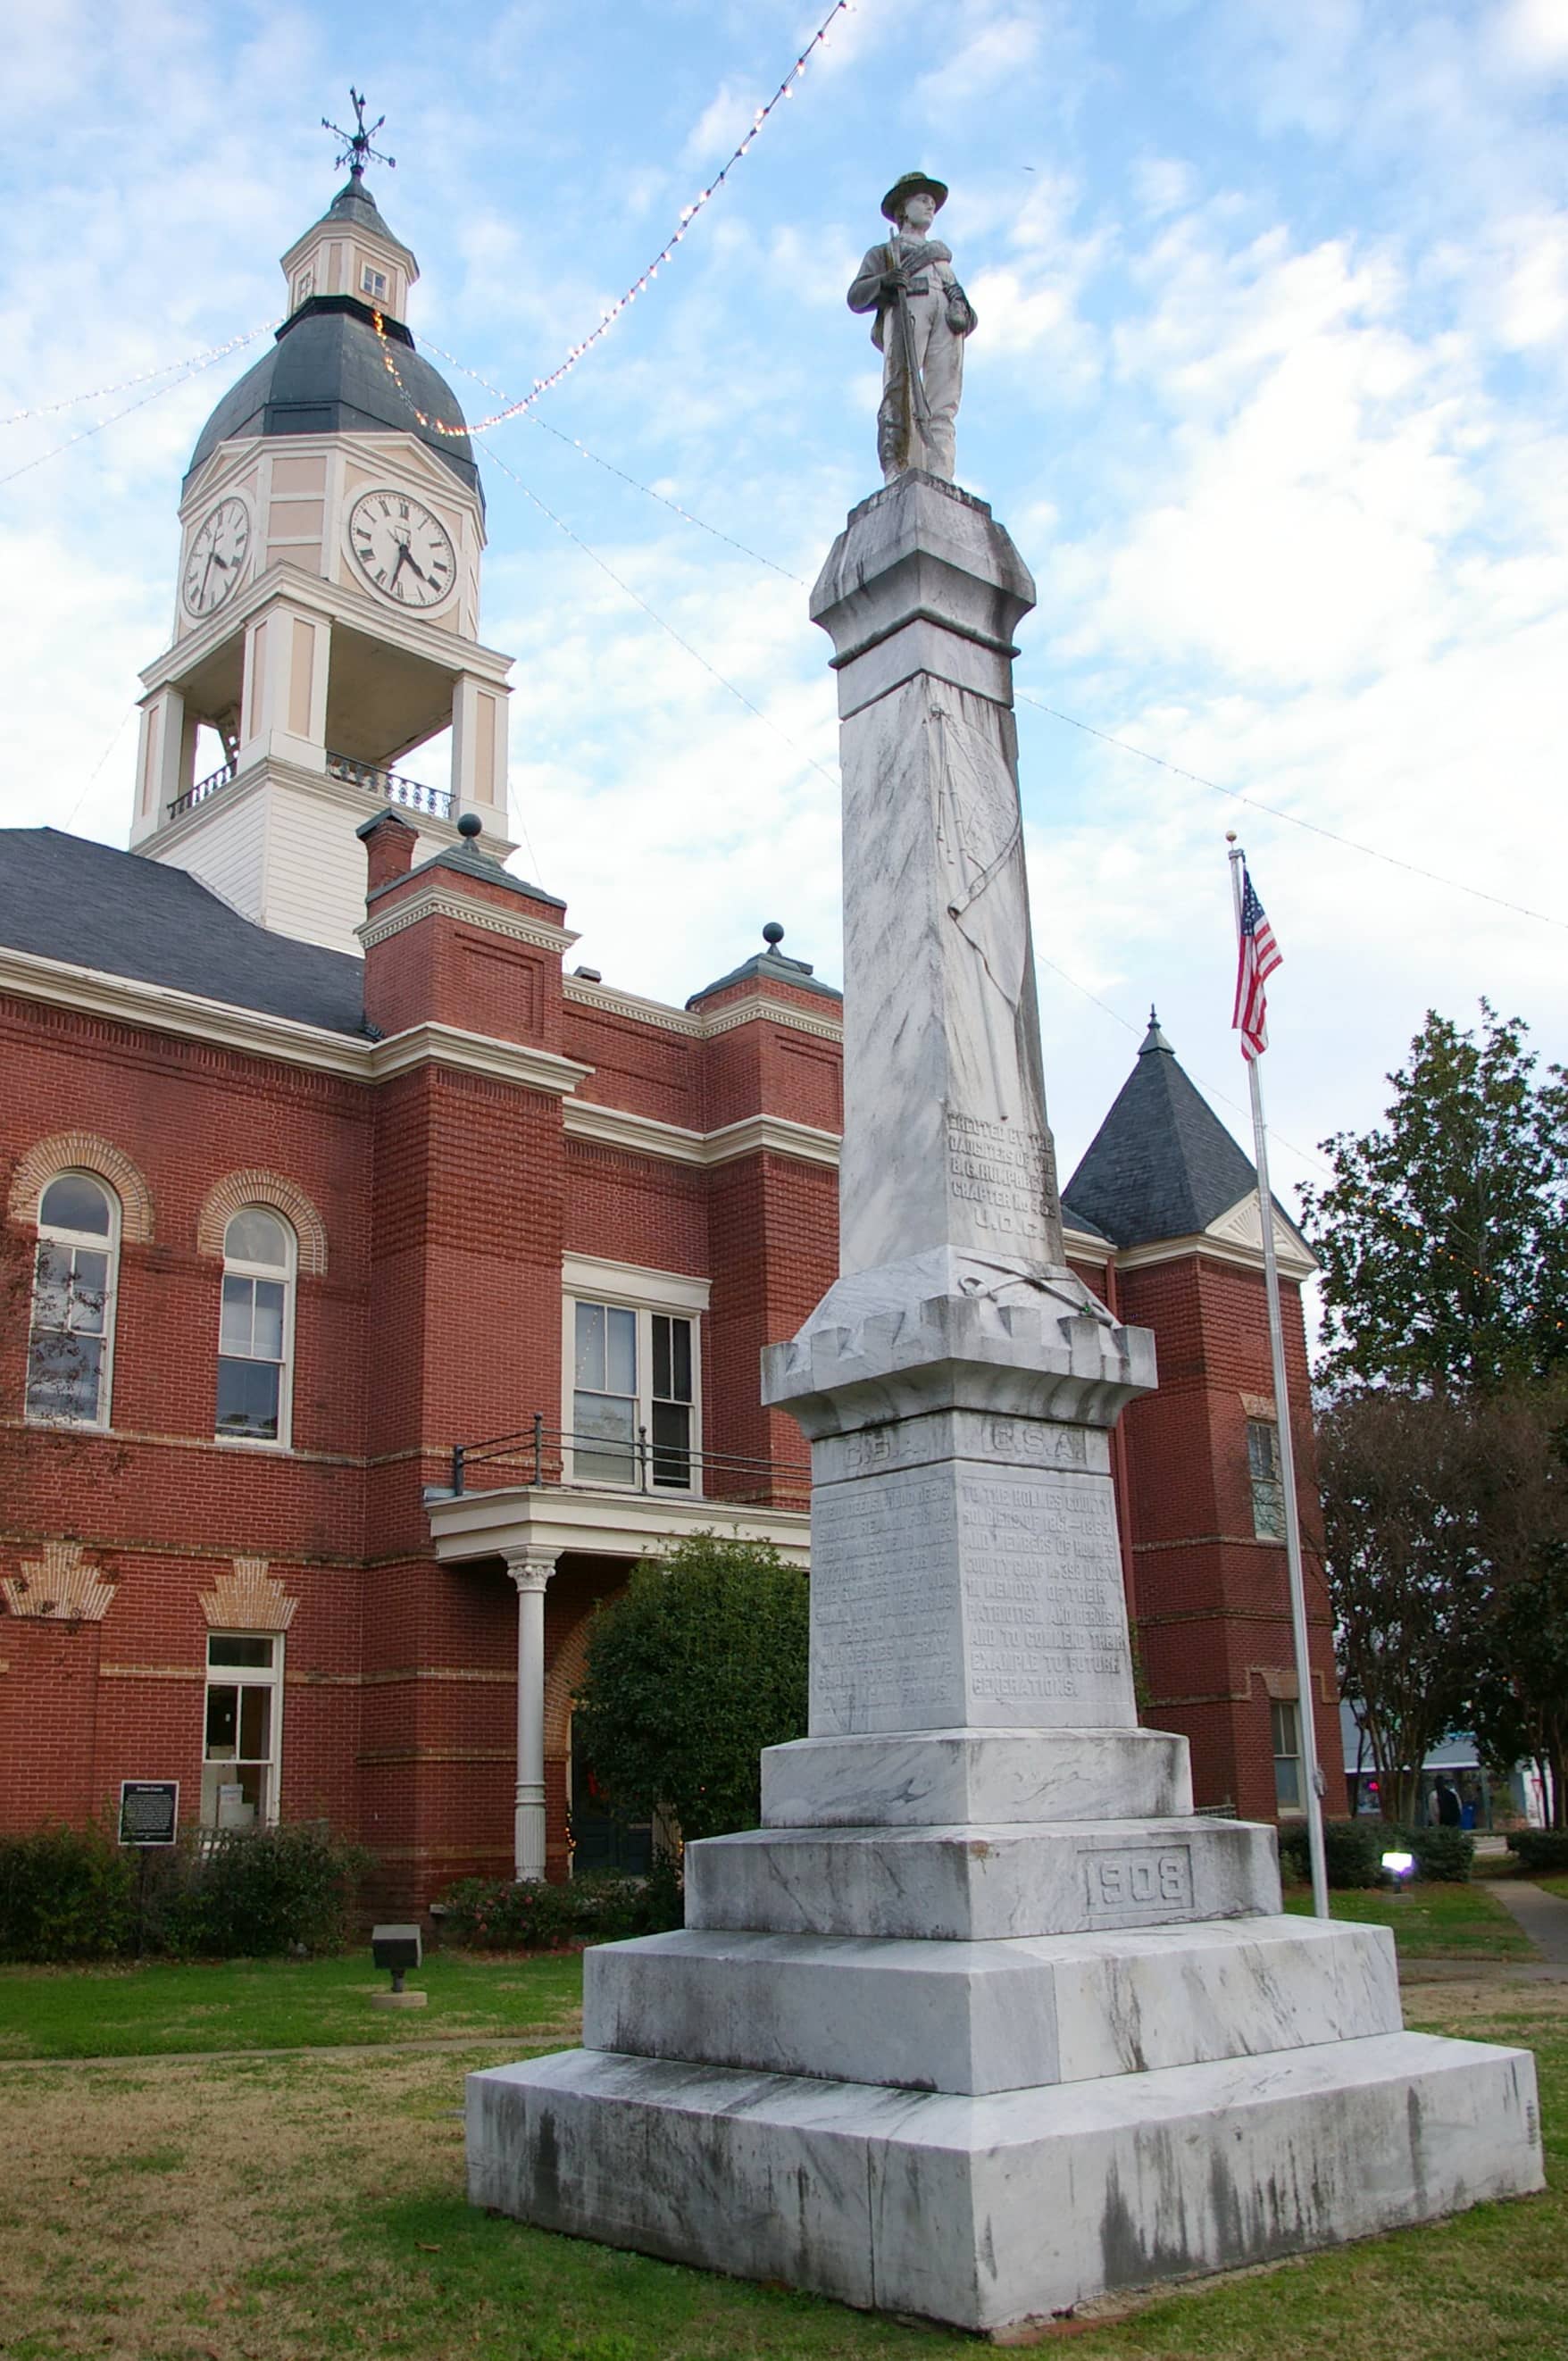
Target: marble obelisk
(984, 2020)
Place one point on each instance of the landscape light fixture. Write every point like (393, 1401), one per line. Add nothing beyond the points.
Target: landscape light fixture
(1400, 1868)
(397, 1949)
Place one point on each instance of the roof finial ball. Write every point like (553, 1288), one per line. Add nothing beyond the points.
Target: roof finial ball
(471, 825)
(773, 934)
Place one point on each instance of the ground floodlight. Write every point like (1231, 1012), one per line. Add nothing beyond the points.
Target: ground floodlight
(397, 1949)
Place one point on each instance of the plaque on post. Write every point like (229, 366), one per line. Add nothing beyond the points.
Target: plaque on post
(149, 1811)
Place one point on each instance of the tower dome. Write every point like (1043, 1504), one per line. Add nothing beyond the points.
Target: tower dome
(327, 372)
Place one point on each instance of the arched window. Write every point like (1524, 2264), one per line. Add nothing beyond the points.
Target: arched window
(71, 1344)
(255, 1337)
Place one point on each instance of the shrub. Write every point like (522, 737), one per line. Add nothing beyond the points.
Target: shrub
(247, 1893)
(1352, 1850)
(699, 1664)
(1545, 1849)
(606, 1906)
(65, 1893)
(1446, 1856)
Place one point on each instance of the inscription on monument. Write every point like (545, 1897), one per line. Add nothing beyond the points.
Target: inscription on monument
(1044, 1606)
(1155, 1876)
(1003, 1175)
(884, 1603)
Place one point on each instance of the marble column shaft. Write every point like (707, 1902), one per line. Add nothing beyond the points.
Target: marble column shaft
(531, 1571)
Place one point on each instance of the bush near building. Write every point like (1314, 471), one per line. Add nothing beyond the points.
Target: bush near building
(1354, 1851)
(73, 1893)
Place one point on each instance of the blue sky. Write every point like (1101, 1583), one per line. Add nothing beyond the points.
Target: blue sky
(1268, 387)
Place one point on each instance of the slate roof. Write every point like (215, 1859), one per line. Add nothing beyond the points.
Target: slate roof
(354, 203)
(327, 374)
(1162, 1165)
(63, 897)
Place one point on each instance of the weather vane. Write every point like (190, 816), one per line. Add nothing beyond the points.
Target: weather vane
(357, 143)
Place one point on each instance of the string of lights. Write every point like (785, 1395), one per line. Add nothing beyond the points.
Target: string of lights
(143, 376)
(1293, 819)
(113, 418)
(636, 596)
(645, 279)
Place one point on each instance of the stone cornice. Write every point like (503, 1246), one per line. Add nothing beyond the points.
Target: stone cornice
(158, 1008)
(476, 1053)
(440, 901)
(758, 1006)
(643, 1135)
(557, 1517)
(1293, 1264)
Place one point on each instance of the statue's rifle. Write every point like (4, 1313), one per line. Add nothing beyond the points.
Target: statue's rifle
(920, 405)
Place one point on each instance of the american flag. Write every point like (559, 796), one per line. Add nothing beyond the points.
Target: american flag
(1259, 957)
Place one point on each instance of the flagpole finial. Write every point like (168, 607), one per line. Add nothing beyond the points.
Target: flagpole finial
(1230, 836)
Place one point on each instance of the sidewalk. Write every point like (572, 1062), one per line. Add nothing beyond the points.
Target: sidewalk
(1543, 1917)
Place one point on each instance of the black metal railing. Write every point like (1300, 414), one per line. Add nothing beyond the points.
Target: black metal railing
(537, 1455)
(391, 785)
(201, 790)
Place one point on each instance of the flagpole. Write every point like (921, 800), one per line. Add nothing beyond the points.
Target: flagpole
(1307, 1714)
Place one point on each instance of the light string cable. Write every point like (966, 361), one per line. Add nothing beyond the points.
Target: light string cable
(646, 277)
(156, 395)
(575, 444)
(1292, 819)
(143, 376)
(652, 612)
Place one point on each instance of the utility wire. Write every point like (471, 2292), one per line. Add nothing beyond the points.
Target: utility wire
(637, 598)
(156, 395)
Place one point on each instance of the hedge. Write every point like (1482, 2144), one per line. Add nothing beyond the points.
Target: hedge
(1545, 1849)
(71, 1893)
(1354, 1851)
(492, 1914)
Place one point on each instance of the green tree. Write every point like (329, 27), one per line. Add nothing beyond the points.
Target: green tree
(1442, 1237)
(699, 1664)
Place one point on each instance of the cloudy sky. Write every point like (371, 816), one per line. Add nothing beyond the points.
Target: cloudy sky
(1268, 387)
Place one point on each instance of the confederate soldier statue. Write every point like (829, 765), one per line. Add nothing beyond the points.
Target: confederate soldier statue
(921, 318)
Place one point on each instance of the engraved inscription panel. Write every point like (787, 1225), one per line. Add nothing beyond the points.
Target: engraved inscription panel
(1151, 1877)
(884, 1604)
(1002, 1176)
(1046, 1619)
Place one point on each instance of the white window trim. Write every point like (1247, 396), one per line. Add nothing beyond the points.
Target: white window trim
(284, 1438)
(247, 1676)
(53, 1233)
(1287, 1811)
(1275, 1539)
(629, 1287)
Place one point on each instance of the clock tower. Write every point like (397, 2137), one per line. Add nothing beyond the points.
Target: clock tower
(326, 616)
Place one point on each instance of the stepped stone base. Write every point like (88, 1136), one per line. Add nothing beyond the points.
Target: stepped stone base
(979, 2017)
(994, 2211)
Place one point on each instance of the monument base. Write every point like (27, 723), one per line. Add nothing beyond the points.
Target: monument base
(990, 2212)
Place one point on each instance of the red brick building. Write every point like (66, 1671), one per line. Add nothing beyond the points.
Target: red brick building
(321, 1164)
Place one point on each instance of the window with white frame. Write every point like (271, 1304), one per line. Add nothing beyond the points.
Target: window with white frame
(304, 288)
(632, 1407)
(373, 283)
(1267, 1486)
(256, 1333)
(1286, 1720)
(71, 1341)
(242, 1729)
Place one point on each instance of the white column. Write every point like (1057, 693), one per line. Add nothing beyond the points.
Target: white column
(479, 750)
(166, 764)
(530, 1570)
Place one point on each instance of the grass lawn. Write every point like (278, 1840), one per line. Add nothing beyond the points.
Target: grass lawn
(1558, 1885)
(169, 2208)
(1430, 1922)
(277, 2004)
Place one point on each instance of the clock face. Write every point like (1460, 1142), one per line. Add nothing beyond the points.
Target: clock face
(217, 556)
(402, 550)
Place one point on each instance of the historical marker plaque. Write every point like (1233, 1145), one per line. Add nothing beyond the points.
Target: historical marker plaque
(149, 1811)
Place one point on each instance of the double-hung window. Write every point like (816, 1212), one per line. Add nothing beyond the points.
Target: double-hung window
(633, 1408)
(1267, 1487)
(71, 1336)
(1285, 1721)
(256, 1333)
(243, 1718)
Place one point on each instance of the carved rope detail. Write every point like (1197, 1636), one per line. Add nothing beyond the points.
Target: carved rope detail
(60, 1587)
(255, 1188)
(248, 1599)
(83, 1151)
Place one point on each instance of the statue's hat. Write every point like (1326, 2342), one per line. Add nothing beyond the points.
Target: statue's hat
(905, 186)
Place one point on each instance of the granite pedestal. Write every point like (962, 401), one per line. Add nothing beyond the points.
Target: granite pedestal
(984, 2020)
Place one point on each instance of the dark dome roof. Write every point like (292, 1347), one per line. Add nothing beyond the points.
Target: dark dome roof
(326, 375)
